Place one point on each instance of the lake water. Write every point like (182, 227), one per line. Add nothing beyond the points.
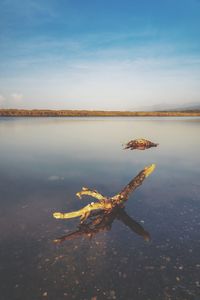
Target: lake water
(44, 162)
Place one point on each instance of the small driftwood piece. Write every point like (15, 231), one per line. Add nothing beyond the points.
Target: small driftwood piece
(140, 144)
(105, 204)
(103, 222)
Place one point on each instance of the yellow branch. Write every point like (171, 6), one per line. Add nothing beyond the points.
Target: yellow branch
(106, 203)
(84, 212)
(92, 193)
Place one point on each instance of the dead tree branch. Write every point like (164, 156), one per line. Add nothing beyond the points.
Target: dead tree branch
(106, 204)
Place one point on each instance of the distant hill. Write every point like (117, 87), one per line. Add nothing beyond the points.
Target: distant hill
(191, 108)
(171, 107)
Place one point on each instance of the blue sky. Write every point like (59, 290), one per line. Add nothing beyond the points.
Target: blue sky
(99, 54)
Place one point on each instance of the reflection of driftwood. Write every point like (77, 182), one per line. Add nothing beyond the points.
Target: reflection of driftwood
(140, 144)
(103, 222)
(106, 204)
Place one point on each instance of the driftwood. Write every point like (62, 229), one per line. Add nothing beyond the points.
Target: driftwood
(106, 204)
(103, 222)
(140, 144)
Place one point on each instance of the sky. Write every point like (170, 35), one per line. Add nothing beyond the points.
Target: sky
(99, 54)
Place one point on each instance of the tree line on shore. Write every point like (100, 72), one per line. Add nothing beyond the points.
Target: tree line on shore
(92, 113)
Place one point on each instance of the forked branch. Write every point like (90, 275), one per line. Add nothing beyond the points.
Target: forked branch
(106, 204)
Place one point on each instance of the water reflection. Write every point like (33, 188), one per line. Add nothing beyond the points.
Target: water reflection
(43, 163)
(99, 216)
(103, 222)
(107, 204)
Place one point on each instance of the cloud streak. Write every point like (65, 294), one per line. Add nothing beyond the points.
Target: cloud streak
(61, 60)
(125, 84)
(2, 99)
(13, 100)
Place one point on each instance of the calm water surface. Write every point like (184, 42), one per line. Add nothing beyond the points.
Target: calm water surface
(45, 161)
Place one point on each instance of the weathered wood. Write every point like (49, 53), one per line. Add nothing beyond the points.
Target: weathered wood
(133, 184)
(140, 144)
(106, 204)
(92, 193)
(84, 212)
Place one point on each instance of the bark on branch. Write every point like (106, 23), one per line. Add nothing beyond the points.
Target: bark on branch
(92, 193)
(106, 204)
(140, 144)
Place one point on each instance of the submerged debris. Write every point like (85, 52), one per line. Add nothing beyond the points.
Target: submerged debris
(140, 144)
(106, 204)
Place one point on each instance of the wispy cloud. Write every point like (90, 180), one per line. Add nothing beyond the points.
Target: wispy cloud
(2, 99)
(16, 97)
(27, 9)
(12, 100)
(112, 84)
(58, 58)
(40, 53)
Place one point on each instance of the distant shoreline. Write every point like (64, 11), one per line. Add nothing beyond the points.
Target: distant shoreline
(94, 113)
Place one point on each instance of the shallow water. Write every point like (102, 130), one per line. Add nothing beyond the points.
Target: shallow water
(45, 161)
